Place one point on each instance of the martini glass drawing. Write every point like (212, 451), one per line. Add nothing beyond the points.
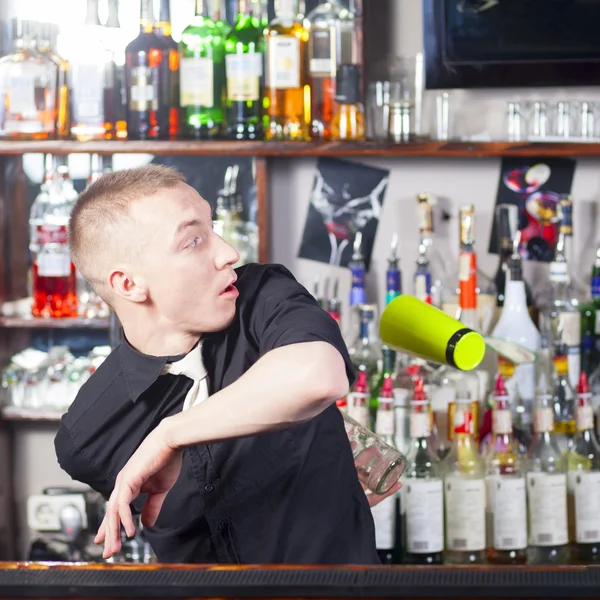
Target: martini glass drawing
(527, 180)
(343, 222)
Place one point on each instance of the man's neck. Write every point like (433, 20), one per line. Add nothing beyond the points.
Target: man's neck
(156, 342)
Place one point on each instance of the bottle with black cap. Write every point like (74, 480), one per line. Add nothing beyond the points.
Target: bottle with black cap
(349, 117)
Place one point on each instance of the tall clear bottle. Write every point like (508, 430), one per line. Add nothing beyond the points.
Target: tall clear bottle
(506, 496)
(244, 49)
(465, 491)
(286, 86)
(546, 489)
(423, 494)
(202, 76)
(27, 88)
(467, 269)
(563, 398)
(583, 480)
(332, 42)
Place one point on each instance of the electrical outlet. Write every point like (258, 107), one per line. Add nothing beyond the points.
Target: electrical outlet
(43, 511)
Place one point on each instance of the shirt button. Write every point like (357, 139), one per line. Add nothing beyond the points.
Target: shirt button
(209, 488)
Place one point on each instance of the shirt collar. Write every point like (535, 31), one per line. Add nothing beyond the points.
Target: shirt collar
(141, 370)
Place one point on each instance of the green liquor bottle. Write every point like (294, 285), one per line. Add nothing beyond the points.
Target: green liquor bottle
(202, 76)
(244, 69)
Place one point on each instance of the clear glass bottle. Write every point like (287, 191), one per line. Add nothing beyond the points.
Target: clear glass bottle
(443, 395)
(286, 88)
(53, 273)
(423, 494)
(27, 88)
(348, 121)
(331, 43)
(202, 76)
(244, 49)
(583, 481)
(46, 44)
(467, 269)
(546, 489)
(506, 497)
(168, 104)
(464, 486)
(563, 398)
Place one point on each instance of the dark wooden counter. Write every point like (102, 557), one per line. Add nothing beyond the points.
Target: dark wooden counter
(57, 580)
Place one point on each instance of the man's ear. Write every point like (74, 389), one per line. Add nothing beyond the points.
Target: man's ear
(129, 287)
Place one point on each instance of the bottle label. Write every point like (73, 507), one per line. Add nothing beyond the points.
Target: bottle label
(585, 485)
(543, 420)
(502, 422)
(243, 76)
(196, 82)
(424, 509)
(51, 234)
(465, 514)
(463, 421)
(559, 272)
(360, 412)
(322, 61)
(547, 495)
(584, 419)
(467, 279)
(358, 276)
(88, 94)
(393, 281)
(420, 425)
(561, 364)
(144, 96)
(570, 325)
(384, 516)
(21, 97)
(56, 264)
(423, 287)
(596, 286)
(507, 501)
(283, 62)
(385, 420)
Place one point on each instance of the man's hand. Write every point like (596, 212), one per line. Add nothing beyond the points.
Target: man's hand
(153, 469)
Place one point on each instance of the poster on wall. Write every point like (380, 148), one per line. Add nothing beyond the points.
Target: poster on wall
(346, 198)
(535, 186)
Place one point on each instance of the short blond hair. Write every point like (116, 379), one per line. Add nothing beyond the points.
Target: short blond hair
(97, 219)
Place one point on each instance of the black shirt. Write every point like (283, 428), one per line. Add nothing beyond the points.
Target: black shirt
(289, 496)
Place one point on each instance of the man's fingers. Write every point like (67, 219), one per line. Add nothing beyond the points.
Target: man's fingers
(101, 532)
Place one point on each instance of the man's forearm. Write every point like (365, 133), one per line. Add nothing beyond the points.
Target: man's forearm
(287, 385)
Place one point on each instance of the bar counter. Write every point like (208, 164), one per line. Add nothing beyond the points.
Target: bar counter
(93, 580)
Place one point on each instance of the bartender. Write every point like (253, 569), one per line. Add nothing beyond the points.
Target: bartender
(216, 416)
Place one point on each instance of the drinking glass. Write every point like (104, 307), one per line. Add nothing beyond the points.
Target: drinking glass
(379, 465)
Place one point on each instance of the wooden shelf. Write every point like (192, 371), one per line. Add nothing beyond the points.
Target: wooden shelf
(12, 413)
(299, 149)
(31, 323)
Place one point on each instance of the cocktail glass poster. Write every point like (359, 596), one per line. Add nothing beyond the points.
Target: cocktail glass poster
(535, 186)
(346, 198)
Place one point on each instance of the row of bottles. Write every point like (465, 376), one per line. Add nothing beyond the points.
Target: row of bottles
(297, 77)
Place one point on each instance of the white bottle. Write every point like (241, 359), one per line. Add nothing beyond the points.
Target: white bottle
(515, 325)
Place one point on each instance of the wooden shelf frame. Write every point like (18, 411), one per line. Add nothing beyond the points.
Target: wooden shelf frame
(421, 148)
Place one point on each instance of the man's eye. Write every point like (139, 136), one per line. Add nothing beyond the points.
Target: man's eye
(194, 243)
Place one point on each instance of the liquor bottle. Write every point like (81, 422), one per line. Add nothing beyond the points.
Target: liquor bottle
(590, 322)
(467, 269)
(94, 81)
(546, 489)
(53, 273)
(385, 513)
(563, 316)
(222, 26)
(387, 372)
(470, 383)
(506, 227)
(358, 407)
(168, 102)
(506, 498)
(358, 294)
(348, 122)
(46, 44)
(583, 481)
(143, 58)
(563, 398)
(465, 493)
(330, 44)
(202, 76)
(244, 50)
(423, 496)
(27, 88)
(443, 396)
(393, 275)
(285, 89)
(422, 278)
(515, 325)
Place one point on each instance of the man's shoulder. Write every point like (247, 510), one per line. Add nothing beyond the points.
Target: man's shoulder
(256, 278)
(107, 381)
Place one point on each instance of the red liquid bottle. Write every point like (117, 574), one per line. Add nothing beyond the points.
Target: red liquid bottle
(53, 273)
